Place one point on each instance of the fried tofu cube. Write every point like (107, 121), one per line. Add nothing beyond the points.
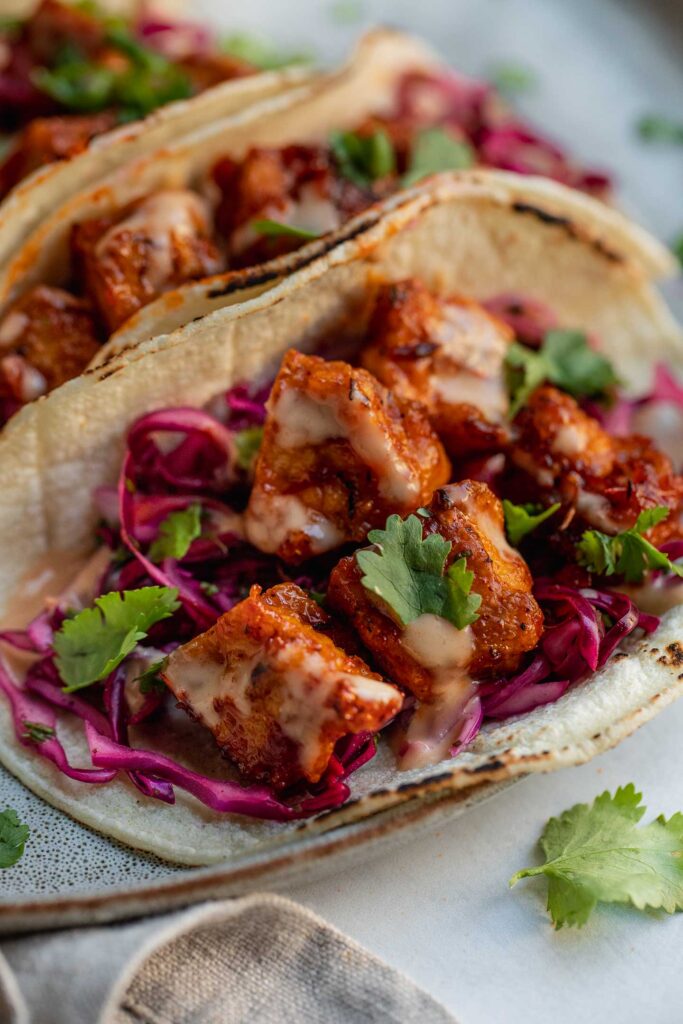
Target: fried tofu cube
(604, 481)
(448, 354)
(158, 244)
(339, 454)
(430, 654)
(46, 338)
(276, 692)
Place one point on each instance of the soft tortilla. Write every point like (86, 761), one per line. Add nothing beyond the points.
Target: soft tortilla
(460, 233)
(177, 146)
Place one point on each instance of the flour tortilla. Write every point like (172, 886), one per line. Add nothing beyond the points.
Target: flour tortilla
(472, 234)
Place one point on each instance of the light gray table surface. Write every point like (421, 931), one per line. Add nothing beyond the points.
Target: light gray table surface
(440, 909)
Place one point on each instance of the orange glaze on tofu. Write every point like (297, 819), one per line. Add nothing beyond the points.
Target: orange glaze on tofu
(156, 245)
(47, 139)
(605, 481)
(429, 653)
(276, 692)
(46, 338)
(296, 185)
(448, 354)
(339, 454)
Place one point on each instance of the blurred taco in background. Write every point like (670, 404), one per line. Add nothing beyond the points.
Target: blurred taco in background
(233, 191)
(378, 529)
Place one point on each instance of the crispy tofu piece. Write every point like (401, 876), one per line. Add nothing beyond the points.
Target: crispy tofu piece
(276, 692)
(339, 454)
(605, 482)
(425, 655)
(46, 338)
(447, 354)
(296, 185)
(161, 242)
(46, 139)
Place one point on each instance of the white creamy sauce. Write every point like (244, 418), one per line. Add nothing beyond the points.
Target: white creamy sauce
(465, 500)
(471, 338)
(314, 212)
(437, 645)
(486, 393)
(527, 462)
(202, 682)
(303, 420)
(27, 382)
(12, 327)
(570, 440)
(165, 219)
(596, 510)
(272, 518)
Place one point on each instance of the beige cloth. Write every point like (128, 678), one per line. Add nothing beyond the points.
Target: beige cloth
(261, 960)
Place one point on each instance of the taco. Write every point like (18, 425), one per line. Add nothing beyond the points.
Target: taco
(382, 529)
(240, 190)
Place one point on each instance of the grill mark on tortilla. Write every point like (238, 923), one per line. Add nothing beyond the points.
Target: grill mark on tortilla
(569, 227)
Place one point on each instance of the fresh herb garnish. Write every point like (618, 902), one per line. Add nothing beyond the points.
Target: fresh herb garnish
(318, 596)
(149, 80)
(37, 732)
(407, 573)
(176, 533)
(150, 680)
(13, 836)
(656, 128)
(93, 643)
(273, 228)
(513, 79)
(260, 52)
(363, 158)
(210, 589)
(522, 519)
(677, 248)
(436, 150)
(248, 442)
(626, 554)
(597, 854)
(565, 359)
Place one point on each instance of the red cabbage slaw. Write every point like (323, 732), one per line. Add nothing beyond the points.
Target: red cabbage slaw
(198, 465)
(499, 138)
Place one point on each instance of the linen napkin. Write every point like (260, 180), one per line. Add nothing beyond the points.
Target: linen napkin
(261, 959)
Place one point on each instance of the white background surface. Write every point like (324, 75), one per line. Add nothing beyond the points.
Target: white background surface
(439, 909)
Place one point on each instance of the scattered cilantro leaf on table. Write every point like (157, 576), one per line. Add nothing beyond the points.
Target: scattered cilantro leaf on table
(677, 248)
(598, 854)
(628, 553)
(657, 128)
(13, 836)
(176, 533)
(436, 150)
(522, 519)
(407, 573)
(93, 643)
(565, 359)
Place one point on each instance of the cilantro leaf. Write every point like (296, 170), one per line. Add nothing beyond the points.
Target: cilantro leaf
(656, 128)
(150, 680)
(566, 360)
(677, 248)
(513, 78)
(248, 442)
(13, 836)
(91, 644)
(522, 519)
(274, 228)
(598, 854)
(176, 533)
(407, 573)
(363, 158)
(628, 553)
(460, 607)
(437, 150)
(37, 731)
(260, 52)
